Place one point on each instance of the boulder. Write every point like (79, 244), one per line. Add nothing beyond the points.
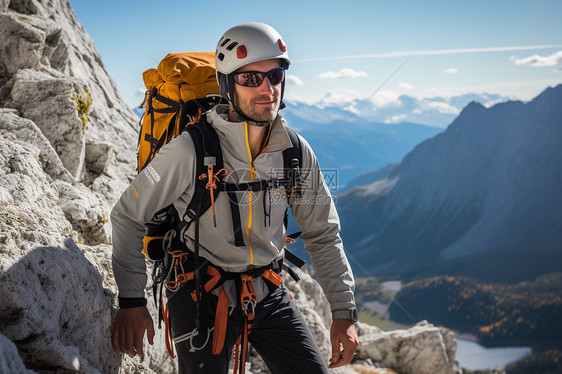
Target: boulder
(58, 300)
(53, 104)
(86, 210)
(10, 361)
(48, 39)
(27, 132)
(422, 349)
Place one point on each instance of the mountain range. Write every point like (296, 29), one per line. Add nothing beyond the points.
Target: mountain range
(480, 199)
(388, 108)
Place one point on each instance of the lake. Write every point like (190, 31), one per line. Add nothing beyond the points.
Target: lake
(474, 356)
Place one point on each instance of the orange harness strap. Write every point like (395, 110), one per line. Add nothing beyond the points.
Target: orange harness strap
(221, 320)
(273, 277)
(248, 302)
(216, 277)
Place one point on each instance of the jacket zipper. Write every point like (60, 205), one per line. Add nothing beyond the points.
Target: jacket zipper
(250, 196)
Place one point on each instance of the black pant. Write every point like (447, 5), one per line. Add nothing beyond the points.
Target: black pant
(279, 334)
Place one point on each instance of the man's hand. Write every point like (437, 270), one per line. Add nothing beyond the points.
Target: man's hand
(128, 330)
(342, 331)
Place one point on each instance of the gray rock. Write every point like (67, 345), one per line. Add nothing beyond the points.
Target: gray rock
(21, 43)
(86, 210)
(99, 156)
(52, 104)
(49, 38)
(422, 349)
(30, 198)
(10, 361)
(27, 132)
(58, 300)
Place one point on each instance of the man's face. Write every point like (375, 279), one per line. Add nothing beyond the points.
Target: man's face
(259, 103)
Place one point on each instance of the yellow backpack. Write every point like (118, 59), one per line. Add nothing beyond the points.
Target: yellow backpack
(178, 92)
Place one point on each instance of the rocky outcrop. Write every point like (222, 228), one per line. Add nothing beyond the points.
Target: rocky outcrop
(10, 361)
(49, 69)
(57, 297)
(422, 349)
(88, 211)
(48, 102)
(67, 151)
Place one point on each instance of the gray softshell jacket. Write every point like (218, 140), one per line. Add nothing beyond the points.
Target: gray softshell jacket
(170, 179)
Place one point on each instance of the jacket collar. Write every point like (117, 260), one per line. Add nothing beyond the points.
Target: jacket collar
(235, 133)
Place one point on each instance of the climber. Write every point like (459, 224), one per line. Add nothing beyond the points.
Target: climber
(224, 288)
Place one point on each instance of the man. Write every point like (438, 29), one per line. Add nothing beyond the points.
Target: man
(251, 60)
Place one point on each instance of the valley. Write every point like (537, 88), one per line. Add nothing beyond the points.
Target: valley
(498, 319)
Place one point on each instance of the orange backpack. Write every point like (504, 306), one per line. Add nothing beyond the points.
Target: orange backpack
(178, 92)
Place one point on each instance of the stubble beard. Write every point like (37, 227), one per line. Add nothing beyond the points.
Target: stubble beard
(253, 111)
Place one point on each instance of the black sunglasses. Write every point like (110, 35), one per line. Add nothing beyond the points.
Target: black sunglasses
(256, 78)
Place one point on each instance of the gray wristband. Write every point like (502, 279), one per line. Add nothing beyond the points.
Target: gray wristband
(350, 314)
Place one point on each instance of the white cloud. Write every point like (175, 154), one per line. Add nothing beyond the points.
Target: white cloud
(293, 80)
(431, 52)
(417, 111)
(405, 86)
(386, 98)
(339, 97)
(439, 106)
(295, 98)
(343, 73)
(140, 92)
(395, 119)
(450, 71)
(553, 60)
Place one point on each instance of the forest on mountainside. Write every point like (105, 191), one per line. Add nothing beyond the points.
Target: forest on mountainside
(497, 314)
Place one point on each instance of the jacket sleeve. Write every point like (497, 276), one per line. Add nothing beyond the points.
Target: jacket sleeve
(316, 215)
(169, 176)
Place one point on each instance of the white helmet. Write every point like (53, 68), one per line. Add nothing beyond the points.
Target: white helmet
(242, 45)
(249, 42)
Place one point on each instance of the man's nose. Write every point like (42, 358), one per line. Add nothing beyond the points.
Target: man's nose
(266, 86)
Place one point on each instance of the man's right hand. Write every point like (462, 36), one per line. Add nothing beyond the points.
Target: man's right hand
(128, 330)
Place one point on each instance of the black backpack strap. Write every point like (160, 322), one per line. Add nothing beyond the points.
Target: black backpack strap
(207, 149)
(292, 162)
(236, 222)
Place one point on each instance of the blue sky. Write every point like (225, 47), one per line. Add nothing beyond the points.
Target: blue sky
(343, 50)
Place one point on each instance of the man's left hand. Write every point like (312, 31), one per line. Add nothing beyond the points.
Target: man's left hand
(343, 334)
